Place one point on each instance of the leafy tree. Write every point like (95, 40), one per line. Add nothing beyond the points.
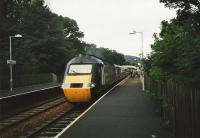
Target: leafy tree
(186, 9)
(71, 29)
(108, 55)
(47, 38)
(175, 53)
(72, 34)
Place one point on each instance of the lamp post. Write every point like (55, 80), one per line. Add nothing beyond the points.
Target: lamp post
(135, 32)
(10, 61)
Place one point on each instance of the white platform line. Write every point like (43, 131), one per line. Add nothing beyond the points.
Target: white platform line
(28, 92)
(73, 122)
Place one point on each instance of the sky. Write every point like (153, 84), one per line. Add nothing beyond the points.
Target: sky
(107, 23)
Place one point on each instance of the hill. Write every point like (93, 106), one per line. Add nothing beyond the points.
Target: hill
(132, 59)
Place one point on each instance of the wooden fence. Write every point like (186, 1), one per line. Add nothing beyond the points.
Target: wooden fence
(179, 106)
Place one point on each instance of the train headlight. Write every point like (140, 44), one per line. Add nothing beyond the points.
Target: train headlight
(65, 85)
(90, 85)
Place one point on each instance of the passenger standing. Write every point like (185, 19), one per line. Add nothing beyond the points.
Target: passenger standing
(133, 73)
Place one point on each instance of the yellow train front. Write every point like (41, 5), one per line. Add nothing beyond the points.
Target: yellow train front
(82, 78)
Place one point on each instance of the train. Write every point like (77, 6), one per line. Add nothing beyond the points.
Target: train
(86, 77)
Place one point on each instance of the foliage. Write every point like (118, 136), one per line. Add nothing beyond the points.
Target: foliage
(186, 9)
(110, 56)
(43, 41)
(176, 49)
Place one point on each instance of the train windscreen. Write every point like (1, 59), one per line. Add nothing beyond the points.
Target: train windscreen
(80, 69)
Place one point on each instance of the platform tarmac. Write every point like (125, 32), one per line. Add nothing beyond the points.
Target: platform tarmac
(125, 112)
(28, 89)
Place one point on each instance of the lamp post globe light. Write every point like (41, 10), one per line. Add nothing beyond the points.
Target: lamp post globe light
(10, 61)
(134, 32)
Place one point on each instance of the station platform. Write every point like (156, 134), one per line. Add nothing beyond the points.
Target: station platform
(28, 89)
(125, 112)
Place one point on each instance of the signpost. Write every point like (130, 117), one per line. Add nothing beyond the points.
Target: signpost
(11, 62)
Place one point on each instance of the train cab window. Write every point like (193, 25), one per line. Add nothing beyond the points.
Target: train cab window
(80, 69)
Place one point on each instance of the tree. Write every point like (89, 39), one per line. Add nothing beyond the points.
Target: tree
(71, 29)
(186, 9)
(106, 54)
(175, 49)
(175, 53)
(47, 38)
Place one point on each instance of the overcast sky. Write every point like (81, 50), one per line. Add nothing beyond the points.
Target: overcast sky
(107, 23)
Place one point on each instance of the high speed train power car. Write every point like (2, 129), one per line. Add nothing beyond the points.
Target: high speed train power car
(86, 76)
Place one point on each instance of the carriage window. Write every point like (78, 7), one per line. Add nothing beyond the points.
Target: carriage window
(80, 69)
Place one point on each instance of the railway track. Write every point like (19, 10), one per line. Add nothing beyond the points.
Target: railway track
(57, 124)
(18, 124)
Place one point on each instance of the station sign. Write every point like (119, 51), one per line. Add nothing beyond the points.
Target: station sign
(11, 61)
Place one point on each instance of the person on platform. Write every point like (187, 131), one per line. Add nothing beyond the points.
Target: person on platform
(133, 73)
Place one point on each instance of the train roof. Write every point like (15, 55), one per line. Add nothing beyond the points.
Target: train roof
(85, 59)
(129, 67)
